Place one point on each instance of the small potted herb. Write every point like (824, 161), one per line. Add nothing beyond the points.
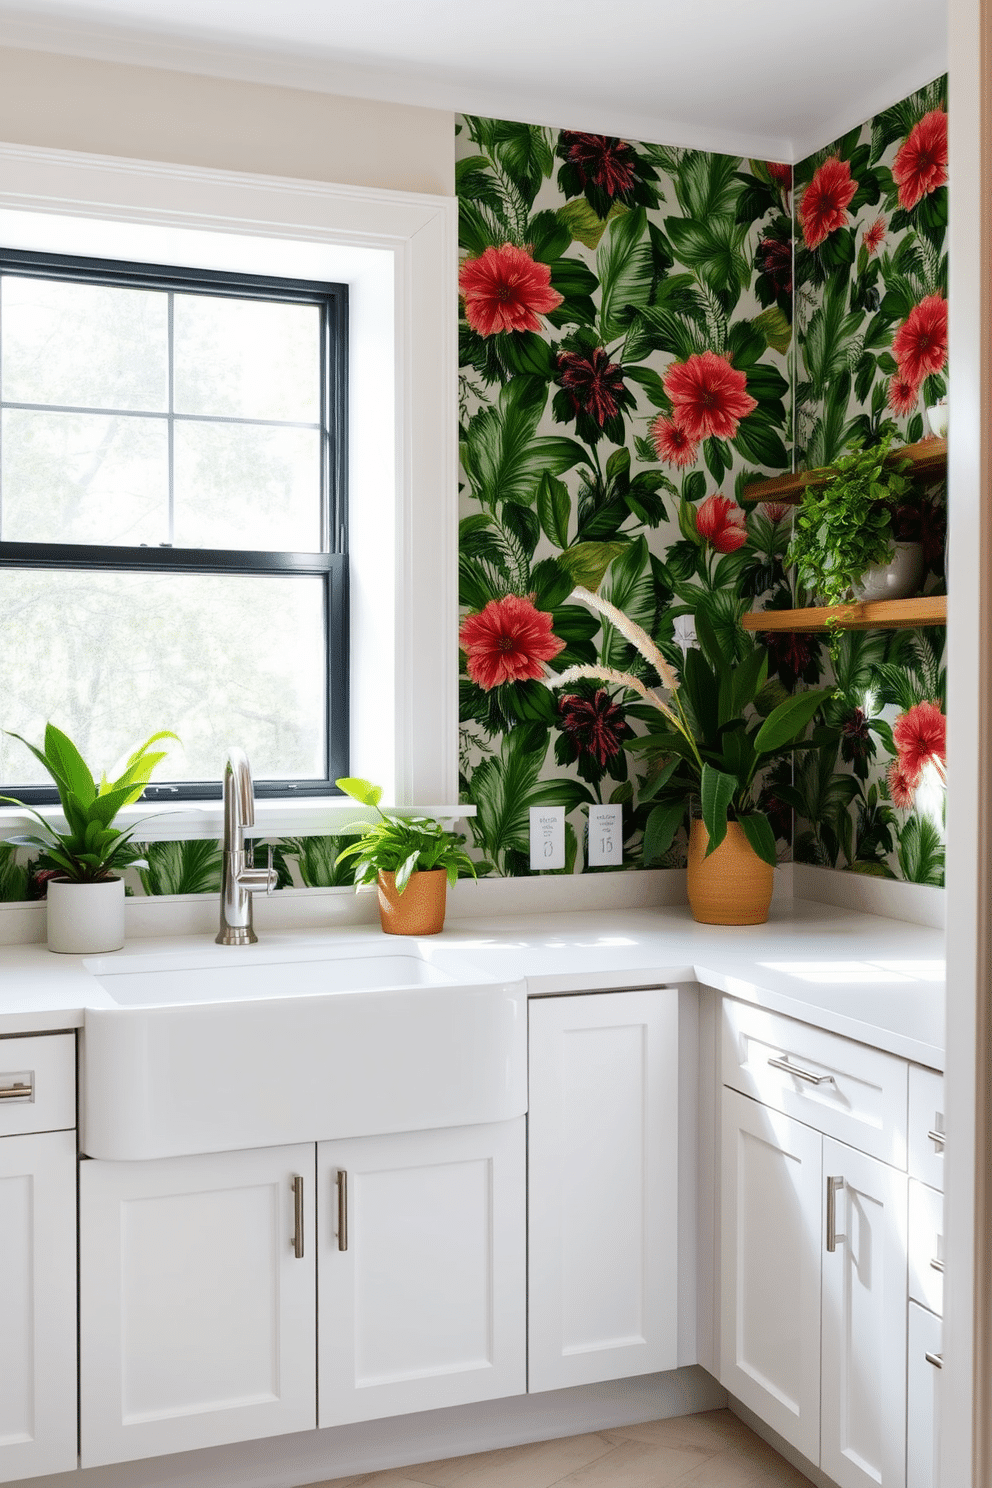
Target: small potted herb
(85, 893)
(848, 542)
(411, 859)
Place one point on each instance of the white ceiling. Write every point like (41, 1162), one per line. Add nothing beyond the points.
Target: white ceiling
(772, 78)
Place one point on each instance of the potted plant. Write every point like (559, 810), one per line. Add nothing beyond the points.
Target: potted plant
(719, 728)
(851, 528)
(411, 859)
(85, 893)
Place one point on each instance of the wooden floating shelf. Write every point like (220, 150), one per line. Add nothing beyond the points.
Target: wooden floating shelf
(879, 614)
(929, 457)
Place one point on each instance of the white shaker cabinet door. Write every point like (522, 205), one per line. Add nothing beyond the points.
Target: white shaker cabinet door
(196, 1312)
(923, 1421)
(37, 1305)
(603, 1186)
(422, 1240)
(863, 1430)
(770, 1268)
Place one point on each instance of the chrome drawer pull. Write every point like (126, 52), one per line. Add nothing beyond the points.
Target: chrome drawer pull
(342, 1183)
(937, 1265)
(833, 1187)
(799, 1072)
(20, 1091)
(936, 1136)
(298, 1218)
(937, 1360)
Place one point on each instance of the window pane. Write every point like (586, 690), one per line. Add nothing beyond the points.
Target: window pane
(111, 658)
(247, 359)
(84, 478)
(247, 486)
(84, 345)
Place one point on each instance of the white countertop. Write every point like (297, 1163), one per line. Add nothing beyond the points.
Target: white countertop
(876, 980)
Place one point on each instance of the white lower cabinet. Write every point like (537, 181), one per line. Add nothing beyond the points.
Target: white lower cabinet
(603, 1186)
(422, 1270)
(37, 1303)
(923, 1434)
(197, 1301)
(813, 1332)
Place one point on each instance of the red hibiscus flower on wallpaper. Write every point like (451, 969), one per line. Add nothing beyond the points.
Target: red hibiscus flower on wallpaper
(920, 344)
(903, 395)
(505, 290)
(508, 641)
(672, 444)
(875, 236)
(920, 736)
(921, 164)
(708, 396)
(825, 201)
(721, 523)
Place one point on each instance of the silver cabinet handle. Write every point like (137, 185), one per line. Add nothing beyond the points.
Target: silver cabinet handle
(833, 1187)
(936, 1136)
(801, 1074)
(342, 1186)
(298, 1217)
(937, 1360)
(18, 1091)
(937, 1265)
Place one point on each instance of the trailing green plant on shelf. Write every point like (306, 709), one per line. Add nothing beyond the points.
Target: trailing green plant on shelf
(92, 849)
(402, 845)
(720, 725)
(850, 520)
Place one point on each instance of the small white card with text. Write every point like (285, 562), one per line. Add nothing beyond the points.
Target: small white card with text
(547, 837)
(605, 836)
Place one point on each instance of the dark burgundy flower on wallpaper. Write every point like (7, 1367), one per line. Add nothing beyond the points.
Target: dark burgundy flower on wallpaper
(721, 522)
(774, 258)
(594, 384)
(920, 344)
(601, 160)
(708, 396)
(672, 443)
(508, 641)
(933, 533)
(825, 201)
(901, 788)
(505, 290)
(903, 395)
(875, 235)
(856, 743)
(595, 725)
(920, 736)
(792, 656)
(921, 164)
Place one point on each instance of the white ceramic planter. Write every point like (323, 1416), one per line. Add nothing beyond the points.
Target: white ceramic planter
(896, 579)
(85, 918)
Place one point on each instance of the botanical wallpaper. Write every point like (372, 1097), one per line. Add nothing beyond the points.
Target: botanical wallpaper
(628, 366)
(871, 332)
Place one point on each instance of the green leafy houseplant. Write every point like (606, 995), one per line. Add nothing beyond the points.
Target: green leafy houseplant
(93, 849)
(845, 522)
(403, 845)
(722, 726)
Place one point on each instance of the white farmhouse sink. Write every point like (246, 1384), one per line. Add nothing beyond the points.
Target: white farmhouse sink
(229, 1048)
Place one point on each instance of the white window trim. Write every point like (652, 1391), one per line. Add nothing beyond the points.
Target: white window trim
(397, 251)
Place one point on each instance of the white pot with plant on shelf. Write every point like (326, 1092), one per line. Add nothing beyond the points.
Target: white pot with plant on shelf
(85, 895)
(938, 415)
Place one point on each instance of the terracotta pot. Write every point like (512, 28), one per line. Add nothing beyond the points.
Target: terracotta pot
(733, 886)
(419, 910)
(85, 918)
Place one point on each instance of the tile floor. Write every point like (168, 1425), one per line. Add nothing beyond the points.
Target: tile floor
(709, 1450)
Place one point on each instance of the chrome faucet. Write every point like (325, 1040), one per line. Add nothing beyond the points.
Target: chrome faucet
(240, 879)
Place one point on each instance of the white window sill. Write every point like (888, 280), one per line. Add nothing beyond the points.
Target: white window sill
(313, 816)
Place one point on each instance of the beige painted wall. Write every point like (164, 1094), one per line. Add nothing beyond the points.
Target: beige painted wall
(110, 108)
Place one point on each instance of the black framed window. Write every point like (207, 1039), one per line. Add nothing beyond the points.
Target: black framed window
(173, 520)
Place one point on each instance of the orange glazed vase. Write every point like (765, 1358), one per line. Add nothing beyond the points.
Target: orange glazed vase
(419, 910)
(733, 886)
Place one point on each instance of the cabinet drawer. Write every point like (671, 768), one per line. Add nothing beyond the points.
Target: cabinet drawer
(41, 1072)
(923, 1415)
(842, 1088)
(926, 1126)
(926, 1245)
